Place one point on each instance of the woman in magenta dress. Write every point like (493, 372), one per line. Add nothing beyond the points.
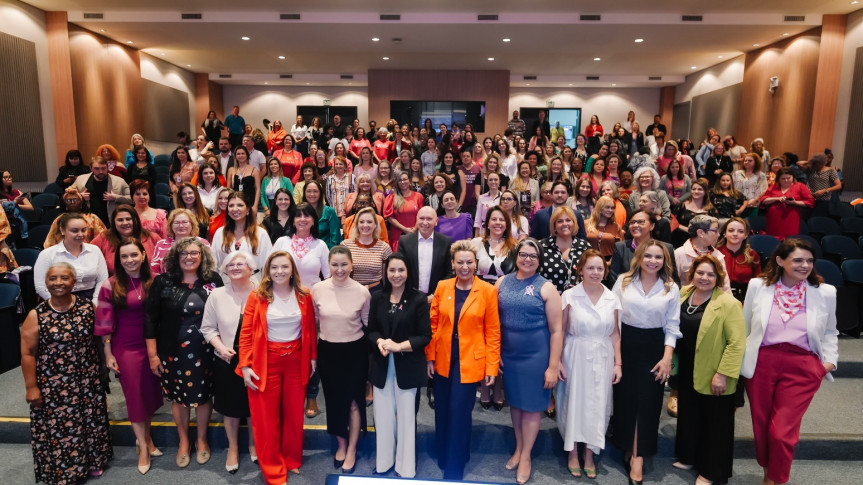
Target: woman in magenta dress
(400, 209)
(785, 201)
(120, 321)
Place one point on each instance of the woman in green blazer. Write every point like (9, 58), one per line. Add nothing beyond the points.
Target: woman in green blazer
(710, 355)
(273, 181)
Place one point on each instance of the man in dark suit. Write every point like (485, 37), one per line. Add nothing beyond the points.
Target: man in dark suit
(539, 226)
(657, 123)
(428, 260)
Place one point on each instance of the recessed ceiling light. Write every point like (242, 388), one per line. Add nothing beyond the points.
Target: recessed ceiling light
(786, 34)
(855, 2)
(528, 84)
(570, 84)
(491, 58)
(385, 58)
(375, 39)
(613, 85)
(719, 57)
(163, 53)
(693, 68)
(188, 65)
(507, 39)
(244, 37)
(596, 58)
(101, 30)
(639, 41)
(755, 45)
(308, 84)
(282, 57)
(265, 82)
(129, 42)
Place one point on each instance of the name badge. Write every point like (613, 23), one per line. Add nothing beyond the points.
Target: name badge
(240, 188)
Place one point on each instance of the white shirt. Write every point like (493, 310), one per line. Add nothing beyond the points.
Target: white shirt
(265, 247)
(89, 266)
(483, 204)
(656, 309)
(208, 198)
(196, 156)
(257, 159)
(284, 319)
(223, 162)
(312, 264)
(299, 131)
(509, 166)
(425, 253)
(222, 315)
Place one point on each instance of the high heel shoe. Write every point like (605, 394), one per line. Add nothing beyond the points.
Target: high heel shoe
(498, 405)
(253, 454)
(338, 463)
(232, 469)
(143, 469)
(485, 404)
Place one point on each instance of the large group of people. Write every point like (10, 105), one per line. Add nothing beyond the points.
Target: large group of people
(560, 279)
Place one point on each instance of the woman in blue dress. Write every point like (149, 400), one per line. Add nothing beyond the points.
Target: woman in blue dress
(531, 344)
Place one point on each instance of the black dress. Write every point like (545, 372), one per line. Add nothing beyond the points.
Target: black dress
(246, 185)
(705, 423)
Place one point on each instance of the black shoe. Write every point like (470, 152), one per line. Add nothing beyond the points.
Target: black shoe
(635, 482)
(485, 404)
(430, 394)
(337, 463)
(498, 405)
(350, 471)
(376, 472)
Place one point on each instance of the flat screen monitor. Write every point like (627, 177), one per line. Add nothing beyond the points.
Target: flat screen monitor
(414, 113)
(569, 119)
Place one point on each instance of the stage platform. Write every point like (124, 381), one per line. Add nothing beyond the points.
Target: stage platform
(830, 451)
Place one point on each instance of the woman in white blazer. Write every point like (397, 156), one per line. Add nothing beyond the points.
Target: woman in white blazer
(791, 345)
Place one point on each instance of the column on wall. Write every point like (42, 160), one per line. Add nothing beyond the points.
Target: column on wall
(208, 96)
(57, 29)
(827, 82)
(666, 107)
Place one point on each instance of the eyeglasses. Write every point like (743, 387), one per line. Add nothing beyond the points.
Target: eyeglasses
(528, 256)
(189, 254)
(637, 223)
(71, 201)
(507, 199)
(237, 265)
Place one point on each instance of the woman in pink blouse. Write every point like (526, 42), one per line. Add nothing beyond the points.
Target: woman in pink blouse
(152, 219)
(400, 209)
(181, 223)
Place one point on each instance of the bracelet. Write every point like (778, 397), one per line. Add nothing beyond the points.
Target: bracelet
(106, 340)
(618, 365)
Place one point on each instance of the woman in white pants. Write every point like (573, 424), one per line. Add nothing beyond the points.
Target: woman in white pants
(399, 327)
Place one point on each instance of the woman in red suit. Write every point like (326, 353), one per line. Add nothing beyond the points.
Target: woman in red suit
(464, 350)
(785, 200)
(277, 357)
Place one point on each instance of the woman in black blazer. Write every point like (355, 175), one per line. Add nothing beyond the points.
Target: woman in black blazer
(400, 328)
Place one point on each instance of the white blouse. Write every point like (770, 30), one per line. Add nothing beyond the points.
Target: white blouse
(265, 247)
(89, 265)
(284, 319)
(656, 309)
(312, 264)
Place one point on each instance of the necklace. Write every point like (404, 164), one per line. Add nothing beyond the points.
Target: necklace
(693, 308)
(132, 282)
(65, 309)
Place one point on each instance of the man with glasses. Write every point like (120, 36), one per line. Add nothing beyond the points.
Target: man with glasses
(102, 190)
(539, 226)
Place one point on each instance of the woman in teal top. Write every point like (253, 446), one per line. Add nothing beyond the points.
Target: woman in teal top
(273, 181)
(531, 337)
(329, 227)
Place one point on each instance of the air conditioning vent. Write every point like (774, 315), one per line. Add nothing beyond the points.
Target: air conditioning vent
(795, 18)
(530, 78)
(390, 16)
(286, 76)
(692, 18)
(93, 16)
(592, 78)
(225, 76)
(191, 16)
(289, 16)
(347, 76)
(487, 17)
(654, 78)
(590, 18)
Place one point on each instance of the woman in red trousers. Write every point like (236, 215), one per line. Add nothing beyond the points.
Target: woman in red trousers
(277, 357)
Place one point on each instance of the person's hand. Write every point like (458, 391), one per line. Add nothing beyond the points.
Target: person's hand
(249, 377)
(717, 384)
(561, 374)
(828, 367)
(616, 374)
(109, 196)
(226, 353)
(430, 369)
(34, 397)
(382, 347)
(489, 380)
(675, 201)
(551, 376)
(717, 171)
(662, 369)
(111, 362)
(156, 366)
(67, 180)
(314, 365)
(85, 194)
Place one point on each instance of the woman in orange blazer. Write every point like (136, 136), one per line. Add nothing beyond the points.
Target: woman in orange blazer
(277, 356)
(464, 350)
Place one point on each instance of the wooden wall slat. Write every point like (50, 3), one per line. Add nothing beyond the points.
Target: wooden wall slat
(827, 83)
(439, 85)
(852, 165)
(21, 106)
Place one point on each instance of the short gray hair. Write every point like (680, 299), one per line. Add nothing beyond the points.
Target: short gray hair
(250, 261)
(641, 171)
(701, 221)
(63, 264)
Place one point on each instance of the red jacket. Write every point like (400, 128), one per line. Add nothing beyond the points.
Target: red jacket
(253, 338)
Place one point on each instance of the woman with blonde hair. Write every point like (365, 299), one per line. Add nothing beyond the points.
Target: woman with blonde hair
(277, 356)
(181, 223)
(400, 209)
(602, 229)
(650, 327)
(368, 251)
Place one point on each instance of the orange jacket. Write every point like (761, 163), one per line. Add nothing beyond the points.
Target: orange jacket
(478, 331)
(253, 338)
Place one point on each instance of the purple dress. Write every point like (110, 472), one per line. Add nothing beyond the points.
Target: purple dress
(458, 228)
(142, 389)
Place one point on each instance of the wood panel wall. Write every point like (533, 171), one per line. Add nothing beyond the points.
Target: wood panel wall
(60, 66)
(208, 96)
(21, 135)
(783, 119)
(439, 85)
(852, 164)
(827, 83)
(106, 81)
(666, 107)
